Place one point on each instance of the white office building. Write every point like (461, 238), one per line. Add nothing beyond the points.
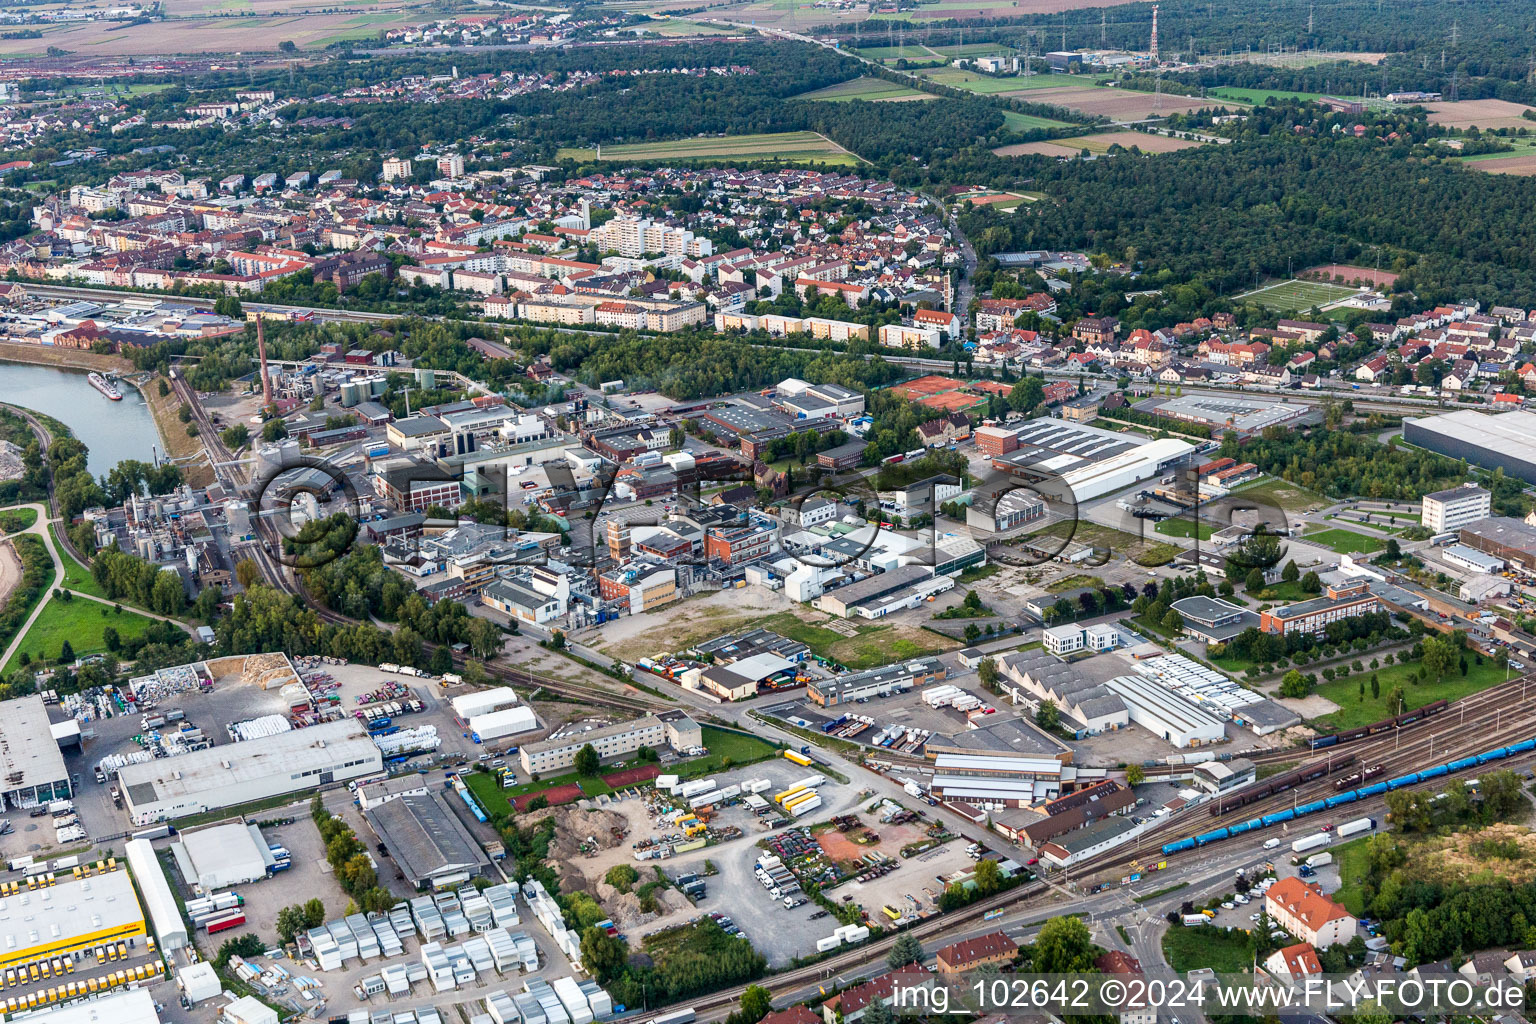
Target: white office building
(1452, 509)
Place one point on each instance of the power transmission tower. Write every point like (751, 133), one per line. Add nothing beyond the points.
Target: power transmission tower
(1311, 9)
(1103, 29)
(1455, 33)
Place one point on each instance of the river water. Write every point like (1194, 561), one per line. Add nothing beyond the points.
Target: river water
(114, 431)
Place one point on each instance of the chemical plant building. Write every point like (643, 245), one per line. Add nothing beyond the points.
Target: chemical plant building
(1451, 510)
(32, 769)
(1076, 462)
(233, 774)
(1506, 440)
(1339, 601)
(1513, 540)
(671, 729)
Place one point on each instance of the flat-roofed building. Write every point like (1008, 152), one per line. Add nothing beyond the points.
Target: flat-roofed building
(1212, 619)
(1505, 441)
(73, 914)
(1340, 601)
(428, 843)
(883, 680)
(1454, 508)
(32, 769)
(671, 729)
(239, 773)
(125, 1006)
(1165, 714)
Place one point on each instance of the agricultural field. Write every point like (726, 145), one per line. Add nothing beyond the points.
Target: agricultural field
(1119, 105)
(1099, 144)
(801, 146)
(1488, 115)
(872, 89)
(256, 33)
(986, 85)
(680, 27)
(1259, 96)
(1295, 295)
(1521, 160)
(1018, 122)
(894, 53)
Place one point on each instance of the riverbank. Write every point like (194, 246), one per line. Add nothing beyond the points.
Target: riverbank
(175, 442)
(172, 433)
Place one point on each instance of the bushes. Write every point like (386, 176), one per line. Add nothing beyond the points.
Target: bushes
(36, 573)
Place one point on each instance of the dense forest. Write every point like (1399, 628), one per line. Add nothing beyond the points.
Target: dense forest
(1226, 216)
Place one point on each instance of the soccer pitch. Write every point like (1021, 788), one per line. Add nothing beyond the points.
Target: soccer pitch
(1294, 296)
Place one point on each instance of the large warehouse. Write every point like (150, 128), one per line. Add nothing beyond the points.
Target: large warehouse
(1078, 463)
(164, 913)
(1513, 540)
(1506, 441)
(75, 913)
(233, 774)
(1165, 714)
(31, 766)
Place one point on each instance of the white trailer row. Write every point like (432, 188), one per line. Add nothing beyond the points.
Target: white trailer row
(849, 933)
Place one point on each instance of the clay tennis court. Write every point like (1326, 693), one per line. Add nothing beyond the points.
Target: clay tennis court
(556, 795)
(630, 776)
(1485, 114)
(1378, 278)
(1117, 104)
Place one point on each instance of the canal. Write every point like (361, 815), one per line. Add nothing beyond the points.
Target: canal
(114, 431)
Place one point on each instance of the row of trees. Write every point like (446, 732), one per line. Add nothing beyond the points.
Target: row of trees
(349, 863)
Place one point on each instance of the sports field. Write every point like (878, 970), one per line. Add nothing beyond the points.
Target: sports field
(790, 146)
(1346, 541)
(873, 89)
(1293, 296)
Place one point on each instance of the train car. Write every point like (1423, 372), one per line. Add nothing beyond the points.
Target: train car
(1347, 797)
(1319, 742)
(1180, 845)
(1211, 837)
(1463, 763)
(1377, 789)
(1435, 772)
(1246, 826)
(1311, 808)
(1522, 747)
(1403, 780)
(1490, 755)
(1277, 817)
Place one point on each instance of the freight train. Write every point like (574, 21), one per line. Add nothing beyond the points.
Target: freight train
(1359, 778)
(1385, 725)
(1350, 796)
(1279, 784)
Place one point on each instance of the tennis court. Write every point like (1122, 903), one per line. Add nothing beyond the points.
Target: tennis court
(1293, 296)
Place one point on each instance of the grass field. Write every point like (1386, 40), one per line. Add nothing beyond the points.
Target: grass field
(76, 576)
(1354, 866)
(81, 623)
(1018, 122)
(1288, 497)
(1346, 541)
(788, 146)
(1099, 143)
(883, 53)
(1353, 711)
(1185, 528)
(1118, 543)
(1294, 296)
(986, 85)
(873, 89)
(872, 647)
(13, 519)
(1258, 96)
(1226, 952)
(673, 27)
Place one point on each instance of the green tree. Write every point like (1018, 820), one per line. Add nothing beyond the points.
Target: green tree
(1254, 581)
(587, 761)
(442, 660)
(986, 671)
(1440, 656)
(1294, 684)
(1135, 774)
(314, 912)
(1173, 622)
(1310, 584)
(756, 1002)
(906, 950)
(290, 921)
(1064, 946)
(1290, 574)
(989, 877)
(1047, 716)
(484, 638)
(603, 954)
(622, 876)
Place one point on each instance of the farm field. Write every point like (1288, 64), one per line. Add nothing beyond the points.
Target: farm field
(1294, 296)
(873, 89)
(1484, 114)
(1521, 160)
(674, 27)
(1099, 143)
(886, 53)
(1025, 122)
(192, 35)
(1345, 541)
(81, 622)
(1120, 105)
(1259, 96)
(772, 146)
(986, 85)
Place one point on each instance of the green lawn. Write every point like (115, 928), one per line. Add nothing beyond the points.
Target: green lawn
(13, 519)
(1353, 868)
(1226, 952)
(721, 744)
(1353, 711)
(986, 85)
(76, 576)
(1346, 541)
(1185, 528)
(797, 146)
(81, 623)
(1296, 296)
(1024, 122)
(1281, 593)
